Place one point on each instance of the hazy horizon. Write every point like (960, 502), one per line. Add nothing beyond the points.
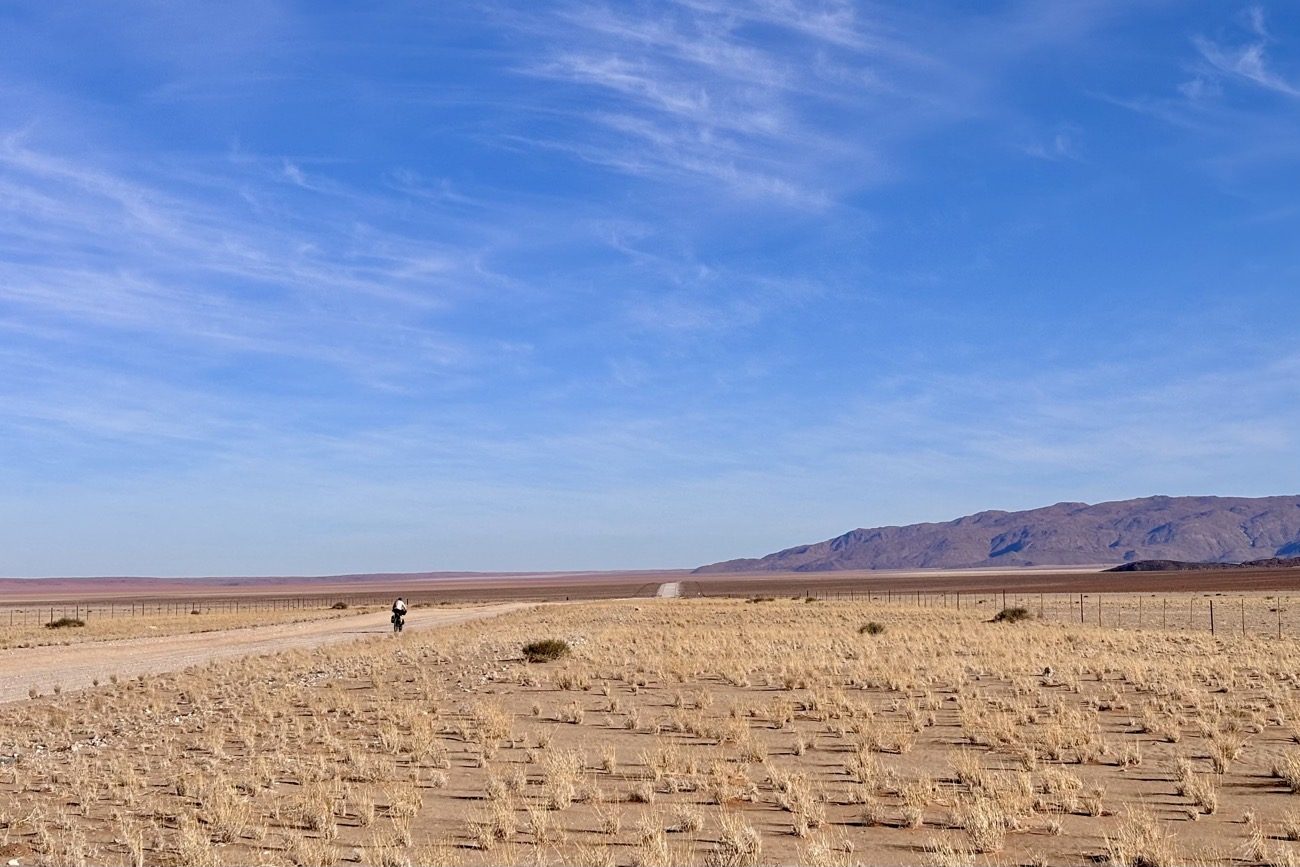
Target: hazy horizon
(650, 568)
(305, 289)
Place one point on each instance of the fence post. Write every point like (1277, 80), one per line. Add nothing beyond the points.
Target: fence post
(1243, 617)
(1099, 609)
(1211, 616)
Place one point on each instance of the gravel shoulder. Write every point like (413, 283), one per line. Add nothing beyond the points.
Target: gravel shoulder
(77, 666)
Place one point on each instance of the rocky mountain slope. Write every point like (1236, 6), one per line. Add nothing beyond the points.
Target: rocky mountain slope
(1201, 529)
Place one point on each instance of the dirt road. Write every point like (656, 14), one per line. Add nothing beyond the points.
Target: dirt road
(76, 666)
(671, 590)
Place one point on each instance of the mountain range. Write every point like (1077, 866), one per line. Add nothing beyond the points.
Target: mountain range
(1201, 529)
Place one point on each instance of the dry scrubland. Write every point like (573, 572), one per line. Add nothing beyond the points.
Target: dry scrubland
(724, 733)
(34, 632)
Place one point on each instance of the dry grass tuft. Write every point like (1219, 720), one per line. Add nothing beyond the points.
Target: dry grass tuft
(695, 731)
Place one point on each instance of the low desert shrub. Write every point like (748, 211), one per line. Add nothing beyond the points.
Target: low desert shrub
(1011, 615)
(739, 844)
(546, 650)
(64, 623)
(872, 628)
(339, 606)
(1287, 769)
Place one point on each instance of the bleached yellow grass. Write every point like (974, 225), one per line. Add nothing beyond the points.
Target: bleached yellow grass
(102, 628)
(680, 731)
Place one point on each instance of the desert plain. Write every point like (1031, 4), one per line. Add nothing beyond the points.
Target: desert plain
(763, 720)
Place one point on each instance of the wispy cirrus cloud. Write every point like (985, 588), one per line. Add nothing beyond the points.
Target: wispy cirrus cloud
(780, 102)
(324, 289)
(1062, 144)
(177, 262)
(1244, 61)
(1224, 106)
(689, 91)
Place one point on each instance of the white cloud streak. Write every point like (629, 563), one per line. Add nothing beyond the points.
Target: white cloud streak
(686, 93)
(88, 245)
(1248, 61)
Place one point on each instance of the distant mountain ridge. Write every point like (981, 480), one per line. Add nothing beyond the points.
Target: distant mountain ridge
(1190, 529)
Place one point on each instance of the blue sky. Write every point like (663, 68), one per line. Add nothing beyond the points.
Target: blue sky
(300, 288)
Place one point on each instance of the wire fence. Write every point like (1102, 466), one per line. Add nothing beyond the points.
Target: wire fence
(39, 614)
(1227, 614)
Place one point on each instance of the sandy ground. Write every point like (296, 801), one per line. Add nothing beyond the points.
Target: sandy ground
(80, 666)
(671, 711)
(1055, 580)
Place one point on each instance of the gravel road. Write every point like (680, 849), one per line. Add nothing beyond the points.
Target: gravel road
(76, 666)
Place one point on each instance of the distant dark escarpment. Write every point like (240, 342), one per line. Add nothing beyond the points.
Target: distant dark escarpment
(1215, 530)
(1183, 566)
